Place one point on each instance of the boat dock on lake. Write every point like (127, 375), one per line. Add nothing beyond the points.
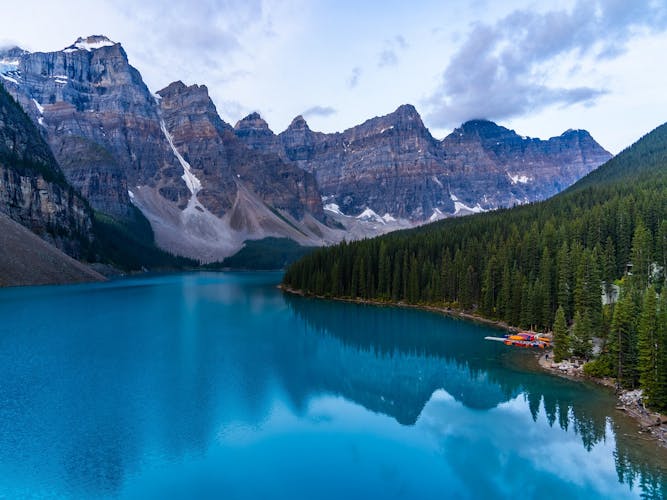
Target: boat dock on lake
(524, 339)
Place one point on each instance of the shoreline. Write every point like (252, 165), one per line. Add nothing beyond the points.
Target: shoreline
(649, 422)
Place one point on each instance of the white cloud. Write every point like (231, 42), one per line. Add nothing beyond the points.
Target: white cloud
(503, 70)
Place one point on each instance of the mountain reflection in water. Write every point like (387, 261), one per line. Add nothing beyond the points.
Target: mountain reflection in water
(193, 385)
(401, 370)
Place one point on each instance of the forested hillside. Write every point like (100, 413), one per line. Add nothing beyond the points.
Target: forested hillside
(535, 264)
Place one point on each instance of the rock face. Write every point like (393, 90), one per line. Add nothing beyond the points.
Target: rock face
(169, 154)
(386, 164)
(206, 186)
(100, 120)
(255, 133)
(222, 161)
(495, 167)
(33, 190)
(392, 165)
(236, 193)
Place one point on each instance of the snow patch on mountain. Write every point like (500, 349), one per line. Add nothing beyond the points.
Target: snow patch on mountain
(40, 108)
(8, 65)
(9, 79)
(194, 208)
(519, 179)
(437, 215)
(90, 43)
(463, 209)
(370, 215)
(332, 207)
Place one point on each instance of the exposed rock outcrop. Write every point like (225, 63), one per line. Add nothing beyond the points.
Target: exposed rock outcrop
(392, 165)
(33, 190)
(499, 168)
(170, 154)
(206, 186)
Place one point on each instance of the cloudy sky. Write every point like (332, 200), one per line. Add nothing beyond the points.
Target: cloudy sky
(539, 67)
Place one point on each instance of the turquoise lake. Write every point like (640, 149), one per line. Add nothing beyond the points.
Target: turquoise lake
(220, 386)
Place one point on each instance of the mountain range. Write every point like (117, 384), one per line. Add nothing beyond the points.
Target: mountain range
(206, 186)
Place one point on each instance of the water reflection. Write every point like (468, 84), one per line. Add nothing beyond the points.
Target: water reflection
(126, 388)
(404, 366)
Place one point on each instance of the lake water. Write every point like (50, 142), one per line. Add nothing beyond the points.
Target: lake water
(220, 386)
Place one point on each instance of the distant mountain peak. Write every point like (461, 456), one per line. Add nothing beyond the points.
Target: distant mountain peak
(90, 43)
(405, 117)
(479, 124)
(178, 87)
(252, 121)
(12, 53)
(485, 129)
(407, 110)
(298, 123)
(578, 132)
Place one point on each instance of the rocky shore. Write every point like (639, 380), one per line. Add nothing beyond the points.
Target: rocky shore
(650, 423)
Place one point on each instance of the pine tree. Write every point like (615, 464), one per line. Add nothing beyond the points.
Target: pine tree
(547, 298)
(335, 279)
(565, 280)
(641, 255)
(622, 341)
(660, 397)
(384, 271)
(396, 276)
(488, 291)
(581, 338)
(505, 294)
(561, 336)
(594, 293)
(413, 280)
(661, 248)
(610, 271)
(647, 348)
(581, 282)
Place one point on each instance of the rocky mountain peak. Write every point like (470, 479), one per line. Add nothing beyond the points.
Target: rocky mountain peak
(252, 122)
(484, 132)
(482, 128)
(173, 88)
(178, 87)
(12, 53)
(194, 105)
(89, 43)
(298, 123)
(404, 118)
(407, 112)
(255, 133)
(581, 134)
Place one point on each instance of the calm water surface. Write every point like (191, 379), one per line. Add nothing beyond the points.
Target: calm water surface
(219, 386)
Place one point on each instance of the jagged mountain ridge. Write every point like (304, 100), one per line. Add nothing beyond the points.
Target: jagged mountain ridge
(115, 143)
(393, 165)
(206, 186)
